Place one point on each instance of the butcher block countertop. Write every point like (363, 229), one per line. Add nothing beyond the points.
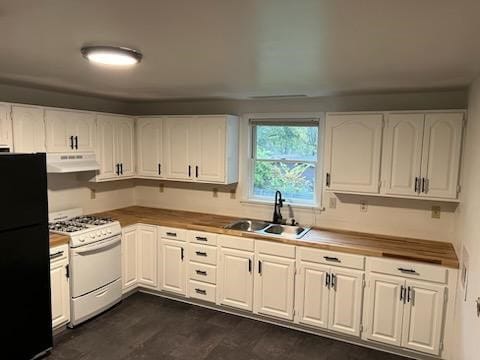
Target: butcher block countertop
(57, 239)
(433, 252)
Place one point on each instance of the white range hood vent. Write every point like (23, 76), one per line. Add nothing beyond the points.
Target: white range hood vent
(72, 162)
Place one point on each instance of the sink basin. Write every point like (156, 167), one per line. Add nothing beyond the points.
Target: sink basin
(285, 231)
(266, 228)
(248, 225)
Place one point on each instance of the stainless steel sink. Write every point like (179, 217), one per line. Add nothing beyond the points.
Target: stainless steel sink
(268, 229)
(248, 225)
(285, 231)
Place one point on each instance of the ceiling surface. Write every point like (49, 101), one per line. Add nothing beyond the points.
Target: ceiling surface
(242, 48)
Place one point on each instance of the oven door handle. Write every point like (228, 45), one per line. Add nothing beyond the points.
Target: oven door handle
(97, 246)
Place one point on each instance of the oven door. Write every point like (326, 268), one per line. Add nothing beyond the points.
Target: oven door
(95, 265)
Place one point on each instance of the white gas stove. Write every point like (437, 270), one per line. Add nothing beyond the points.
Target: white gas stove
(95, 262)
(82, 229)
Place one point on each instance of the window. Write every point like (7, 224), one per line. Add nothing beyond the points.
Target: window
(284, 157)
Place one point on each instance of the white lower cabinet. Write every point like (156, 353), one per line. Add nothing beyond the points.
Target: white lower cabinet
(60, 285)
(129, 258)
(235, 279)
(274, 279)
(403, 312)
(174, 266)
(329, 297)
(147, 252)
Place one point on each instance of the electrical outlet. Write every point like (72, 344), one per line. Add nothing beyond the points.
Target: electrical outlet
(93, 194)
(436, 211)
(363, 206)
(215, 192)
(161, 187)
(332, 204)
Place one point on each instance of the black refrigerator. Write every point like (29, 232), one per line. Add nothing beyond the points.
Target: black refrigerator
(24, 252)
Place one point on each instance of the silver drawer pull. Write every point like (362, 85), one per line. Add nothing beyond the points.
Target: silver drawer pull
(171, 234)
(201, 272)
(201, 238)
(201, 291)
(331, 258)
(56, 255)
(411, 271)
(201, 253)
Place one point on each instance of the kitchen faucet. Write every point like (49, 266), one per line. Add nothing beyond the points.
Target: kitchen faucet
(277, 215)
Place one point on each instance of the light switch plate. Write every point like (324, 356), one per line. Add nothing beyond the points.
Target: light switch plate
(436, 212)
(332, 204)
(215, 192)
(363, 206)
(93, 194)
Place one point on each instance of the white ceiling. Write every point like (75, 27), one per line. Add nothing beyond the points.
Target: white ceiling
(242, 48)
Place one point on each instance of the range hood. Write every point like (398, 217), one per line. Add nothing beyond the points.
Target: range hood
(72, 162)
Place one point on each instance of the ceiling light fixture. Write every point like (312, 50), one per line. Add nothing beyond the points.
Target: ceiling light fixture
(110, 55)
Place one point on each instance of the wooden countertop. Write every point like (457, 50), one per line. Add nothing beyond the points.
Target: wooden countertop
(57, 239)
(433, 252)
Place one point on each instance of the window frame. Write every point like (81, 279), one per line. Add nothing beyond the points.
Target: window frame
(285, 119)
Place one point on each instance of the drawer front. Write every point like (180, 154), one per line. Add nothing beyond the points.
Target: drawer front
(408, 269)
(235, 242)
(200, 237)
(58, 253)
(203, 272)
(203, 254)
(202, 291)
(274, 248)
(331, 258)
(173, 233)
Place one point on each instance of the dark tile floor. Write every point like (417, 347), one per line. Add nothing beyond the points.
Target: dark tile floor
(149, 327)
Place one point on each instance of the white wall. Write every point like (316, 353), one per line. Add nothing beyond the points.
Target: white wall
(73, 190)
(468, 233)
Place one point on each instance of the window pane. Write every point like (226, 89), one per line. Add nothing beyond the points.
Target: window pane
(296, 181)
(286, 142)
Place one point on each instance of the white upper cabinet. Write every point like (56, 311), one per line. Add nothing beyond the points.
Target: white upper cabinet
(69, 131)
(442, 141)
(201, 148)
(28, 129)
(115, 147)
(5, 125)
(150, 147)
(352, 152)
(402, 154)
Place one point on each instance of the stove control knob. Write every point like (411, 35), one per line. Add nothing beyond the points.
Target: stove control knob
(92, 236)
(82, 239)
(104, 232)
(99, 234)
(109, 231)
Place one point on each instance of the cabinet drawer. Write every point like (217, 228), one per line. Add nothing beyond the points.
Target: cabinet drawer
(58, 253)
(173, 233)
(331, 258)
(200, 237)
(235, 242)
(273, 248)
(203, 272)
(203, 254)
(408, 269)
(202, 291)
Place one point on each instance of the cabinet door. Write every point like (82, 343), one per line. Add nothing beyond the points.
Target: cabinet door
(178, 148)
(84, 125)
(60, 293)
(106, 147)
(384, 309)
(274, 286)
(423, 317)
(312, 294)
(211, 149)
(441, 154)
(345, 305)
(147, 251)
(173, 264)
(149, 147)
(5, 125)
(352, 152)
(125, 146)
(28, 129)
(129, 258)
(402, 151)
(60, 131)
(235, 279)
